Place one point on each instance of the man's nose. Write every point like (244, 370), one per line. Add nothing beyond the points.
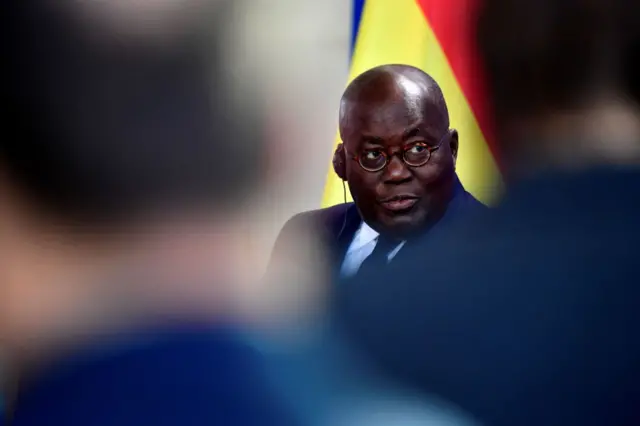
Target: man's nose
(397, 171)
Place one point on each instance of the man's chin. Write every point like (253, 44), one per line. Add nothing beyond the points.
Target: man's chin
(403, 226)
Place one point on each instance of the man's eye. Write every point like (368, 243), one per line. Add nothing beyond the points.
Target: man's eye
(372, 155)
(417, 149)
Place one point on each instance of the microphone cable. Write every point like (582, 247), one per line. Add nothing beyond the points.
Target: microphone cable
(344, 221)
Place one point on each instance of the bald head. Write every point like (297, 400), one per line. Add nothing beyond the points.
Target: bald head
(394, 85)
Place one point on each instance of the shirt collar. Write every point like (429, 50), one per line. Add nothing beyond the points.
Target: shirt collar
(364, 235)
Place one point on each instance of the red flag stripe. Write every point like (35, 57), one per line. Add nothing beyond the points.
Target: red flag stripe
(453, 23)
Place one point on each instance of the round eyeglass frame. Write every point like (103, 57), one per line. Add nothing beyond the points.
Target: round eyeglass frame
(387, 157)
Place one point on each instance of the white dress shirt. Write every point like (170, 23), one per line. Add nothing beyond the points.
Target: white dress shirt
(361, 247)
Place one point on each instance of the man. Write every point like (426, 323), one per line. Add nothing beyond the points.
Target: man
(112, 307)
(398, 157)
(528, 316)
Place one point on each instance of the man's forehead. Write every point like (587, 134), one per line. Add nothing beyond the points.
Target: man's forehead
(391, 114)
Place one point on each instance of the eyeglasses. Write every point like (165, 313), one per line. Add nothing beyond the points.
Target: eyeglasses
(413, 154)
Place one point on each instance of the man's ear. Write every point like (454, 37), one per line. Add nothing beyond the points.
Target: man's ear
(339, 162)
(453, 145)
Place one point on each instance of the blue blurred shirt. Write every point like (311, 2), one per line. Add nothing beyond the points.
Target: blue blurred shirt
(189, 376)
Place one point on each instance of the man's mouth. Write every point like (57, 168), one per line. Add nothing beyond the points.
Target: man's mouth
(399, 203)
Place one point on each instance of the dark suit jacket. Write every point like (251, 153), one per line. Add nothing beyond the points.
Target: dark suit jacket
(181, 377)
(322, 376)
(337, 225)
(526, 316)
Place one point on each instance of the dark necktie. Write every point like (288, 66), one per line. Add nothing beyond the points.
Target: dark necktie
(379, 257)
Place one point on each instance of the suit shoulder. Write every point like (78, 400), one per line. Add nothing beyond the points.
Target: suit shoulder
(319, 218)
(322, 215)
(474, 203)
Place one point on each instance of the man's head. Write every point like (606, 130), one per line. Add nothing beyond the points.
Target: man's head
(563, 77)
(392, 118)
(118, 158)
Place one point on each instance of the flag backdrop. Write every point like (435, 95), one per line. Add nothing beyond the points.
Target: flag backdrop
(436, 36)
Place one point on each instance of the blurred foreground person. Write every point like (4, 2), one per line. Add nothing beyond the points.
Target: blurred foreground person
(112, 282)
(398, 157)
(529, 315)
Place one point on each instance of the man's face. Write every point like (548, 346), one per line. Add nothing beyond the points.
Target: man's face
(399, 199)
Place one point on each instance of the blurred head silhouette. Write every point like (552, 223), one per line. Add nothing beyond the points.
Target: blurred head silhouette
(563, 75)
(114, 163)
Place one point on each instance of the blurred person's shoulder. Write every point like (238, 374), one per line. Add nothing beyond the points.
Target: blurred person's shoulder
(181, 376)
(540, 290)
(588, 205)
